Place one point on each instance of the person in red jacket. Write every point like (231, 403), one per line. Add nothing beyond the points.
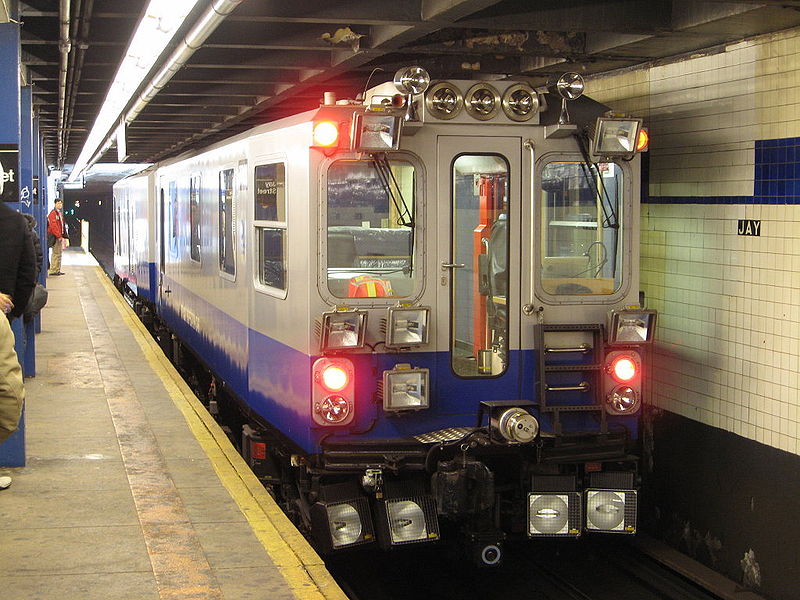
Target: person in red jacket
(56, 236)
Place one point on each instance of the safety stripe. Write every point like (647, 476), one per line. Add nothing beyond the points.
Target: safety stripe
(301, 567)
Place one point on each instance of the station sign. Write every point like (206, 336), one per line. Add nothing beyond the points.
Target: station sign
(9, 173)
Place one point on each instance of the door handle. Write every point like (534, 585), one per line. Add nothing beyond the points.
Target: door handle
(452, 266)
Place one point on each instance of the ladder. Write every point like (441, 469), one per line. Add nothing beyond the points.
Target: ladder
(592, 370)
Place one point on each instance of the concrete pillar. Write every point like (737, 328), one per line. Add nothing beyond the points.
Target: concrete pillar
(12, 147)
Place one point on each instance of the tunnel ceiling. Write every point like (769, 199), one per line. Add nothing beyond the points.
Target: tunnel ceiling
(269, 59)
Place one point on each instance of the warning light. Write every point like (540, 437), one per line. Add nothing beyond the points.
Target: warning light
(334, 378)
(623, 368)
(326, 134)
(643, 140)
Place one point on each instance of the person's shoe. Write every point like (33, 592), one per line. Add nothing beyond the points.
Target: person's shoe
(54, 274)
(5, 482)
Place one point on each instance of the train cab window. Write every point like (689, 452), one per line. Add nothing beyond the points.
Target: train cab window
(227, 247)
(581, 228)
(480, 292)
(269, 220)
(194, 218)
(370, 233)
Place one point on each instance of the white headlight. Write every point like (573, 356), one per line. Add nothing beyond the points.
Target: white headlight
(405, 388)
(343, 329)
(411, 520)
(554, 514)
(407, 327)
(611, 510)
(345, 524)
(631, 326)
(615, 137)
(623, 400)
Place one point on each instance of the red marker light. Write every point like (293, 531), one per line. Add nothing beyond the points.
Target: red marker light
(623, 369)
(643, 140)
(326, 133)
(335, 378)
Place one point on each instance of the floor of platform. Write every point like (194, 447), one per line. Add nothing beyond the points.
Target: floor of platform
(130, 490)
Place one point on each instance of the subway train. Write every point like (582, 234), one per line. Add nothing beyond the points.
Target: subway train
(423, 305)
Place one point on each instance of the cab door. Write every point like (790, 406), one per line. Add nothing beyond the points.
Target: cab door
(479, 265)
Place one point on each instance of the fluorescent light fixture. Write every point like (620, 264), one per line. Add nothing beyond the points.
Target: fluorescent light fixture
(343, 329)
(407, 326)
(405, 388)
(631, 326)
(161, 21)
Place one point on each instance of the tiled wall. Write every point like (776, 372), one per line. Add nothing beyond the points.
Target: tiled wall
(725, 146)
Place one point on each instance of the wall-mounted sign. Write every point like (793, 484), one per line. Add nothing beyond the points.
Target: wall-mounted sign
(9, 172)
(749, 227)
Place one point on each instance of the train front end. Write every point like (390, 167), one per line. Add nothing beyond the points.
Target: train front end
(482, 340)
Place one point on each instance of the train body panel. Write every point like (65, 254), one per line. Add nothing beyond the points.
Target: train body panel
(416, 289)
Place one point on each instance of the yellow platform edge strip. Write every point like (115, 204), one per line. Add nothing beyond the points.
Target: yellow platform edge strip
(298, 563)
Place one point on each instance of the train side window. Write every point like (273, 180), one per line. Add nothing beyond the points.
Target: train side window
(227, 248)
(269, 220)
(173, 218)
(581, 228)
(370, 228)
(194, 218)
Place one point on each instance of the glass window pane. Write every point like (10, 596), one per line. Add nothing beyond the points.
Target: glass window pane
(479, 343)
(173, 210)
(270, 196)
(581, 228)
(370, 237)
(272, 250)
(194, 217)
(227, 254)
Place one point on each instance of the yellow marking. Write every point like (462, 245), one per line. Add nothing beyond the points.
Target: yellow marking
(300, 565)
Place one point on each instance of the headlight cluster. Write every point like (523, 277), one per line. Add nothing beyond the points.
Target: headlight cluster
(482, 101)
(406, 327)
(344, 518)
(556, 509)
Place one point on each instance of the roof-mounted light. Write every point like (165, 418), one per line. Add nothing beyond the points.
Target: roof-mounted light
(482, 101)
(520, 102)
(412, 80)
(444, 100)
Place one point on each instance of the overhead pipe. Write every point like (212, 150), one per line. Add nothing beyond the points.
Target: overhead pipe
(64, 46)
(80, 33)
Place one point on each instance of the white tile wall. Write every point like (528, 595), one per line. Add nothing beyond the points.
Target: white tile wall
(728, 350)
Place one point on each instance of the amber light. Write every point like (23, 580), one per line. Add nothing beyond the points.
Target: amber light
(335, 378)
(623, 369)
(643, 140)
(326, 133)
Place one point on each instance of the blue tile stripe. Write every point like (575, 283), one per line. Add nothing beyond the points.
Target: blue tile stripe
(776, 178)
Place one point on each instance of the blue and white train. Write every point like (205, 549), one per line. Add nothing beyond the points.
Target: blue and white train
(425, 304)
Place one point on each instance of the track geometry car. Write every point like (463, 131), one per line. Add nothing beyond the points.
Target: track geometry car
(425, 303)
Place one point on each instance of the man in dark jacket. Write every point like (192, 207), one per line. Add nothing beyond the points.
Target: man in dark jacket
(17, 262)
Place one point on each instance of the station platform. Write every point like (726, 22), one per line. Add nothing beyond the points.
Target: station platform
(130, 490)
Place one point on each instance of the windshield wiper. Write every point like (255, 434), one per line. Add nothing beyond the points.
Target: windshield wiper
(384, 171)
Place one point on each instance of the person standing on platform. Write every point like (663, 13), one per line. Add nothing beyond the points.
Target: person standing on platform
(17, 263)
(56, 236)
(12, 392)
